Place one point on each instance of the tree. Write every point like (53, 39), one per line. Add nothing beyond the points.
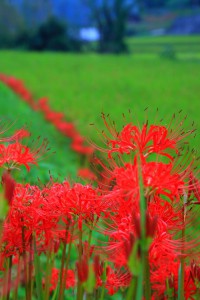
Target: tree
(111, 18)
(53, 35)
(10, 24)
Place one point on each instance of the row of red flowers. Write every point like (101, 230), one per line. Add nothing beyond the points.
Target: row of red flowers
(68, 129)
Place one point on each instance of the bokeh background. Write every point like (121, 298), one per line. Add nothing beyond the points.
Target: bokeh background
(114, 56)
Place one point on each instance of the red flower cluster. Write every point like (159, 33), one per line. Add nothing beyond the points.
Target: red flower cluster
(142, 213)
(169, 190)
(13, 153)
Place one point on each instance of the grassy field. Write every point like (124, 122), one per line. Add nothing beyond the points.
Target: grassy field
(158, 44)
(85, 85)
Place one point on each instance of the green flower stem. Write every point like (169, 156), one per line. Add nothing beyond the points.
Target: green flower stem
(144, 241)
(54, 297)
(30, 269)
(38, 275)
(5, 279)
(25, 263)
(146, 266)
(9, 277)
(139, 290)
(132, 289)
(15, 296)
(79, 291)
(182, 265)
(67, 261)
(50, 261)
(169, 291)
(89, 242)
(104, 282)
(61, 289)
(96, 294)
(79, 286)
(89, 296)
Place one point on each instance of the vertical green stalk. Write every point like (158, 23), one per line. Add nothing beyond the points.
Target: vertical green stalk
(5, 279)
(30, 269)
(169, 291)
(61, 288)
(145, 274)
(104, 282)
(9, 277)
(96, 294)
(38, 274)
(25, 263)
(15, 296)
(89, 242)
(132, 289)
(67, 261)
(79, 286)
(182, 264)
(139, 290)
(49, 266)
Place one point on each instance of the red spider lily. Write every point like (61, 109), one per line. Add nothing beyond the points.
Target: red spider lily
(22, 219)
(65, 128)
(54, 117)
(98, 268)
(70, 279)
(54, 279)
(116, 280)
(16, 154)
(151, 224)
(195, 273)
(17, 136)
(82, 269)
(160, 179)
(20, 134)
(83, 202)
(9, 186)
(30, 214)
(86, 173)
(168, 271)
(43, 104)
(146, 141)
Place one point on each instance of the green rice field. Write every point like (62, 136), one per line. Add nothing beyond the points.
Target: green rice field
(84, 85)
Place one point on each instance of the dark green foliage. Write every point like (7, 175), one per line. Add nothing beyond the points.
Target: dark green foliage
(10, 23)
(168, 52)
(168, 4)
(111, 20)
(51, 35)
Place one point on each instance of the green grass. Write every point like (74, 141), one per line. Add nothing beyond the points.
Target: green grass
(85, 85)
(59, 160)
(180, 44)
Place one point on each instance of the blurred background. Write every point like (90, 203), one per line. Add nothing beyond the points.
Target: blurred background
(97, 25)
(89, 56)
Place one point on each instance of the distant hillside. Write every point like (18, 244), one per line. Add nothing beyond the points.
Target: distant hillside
(147, 16)
(185, 25)
(36, 11)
